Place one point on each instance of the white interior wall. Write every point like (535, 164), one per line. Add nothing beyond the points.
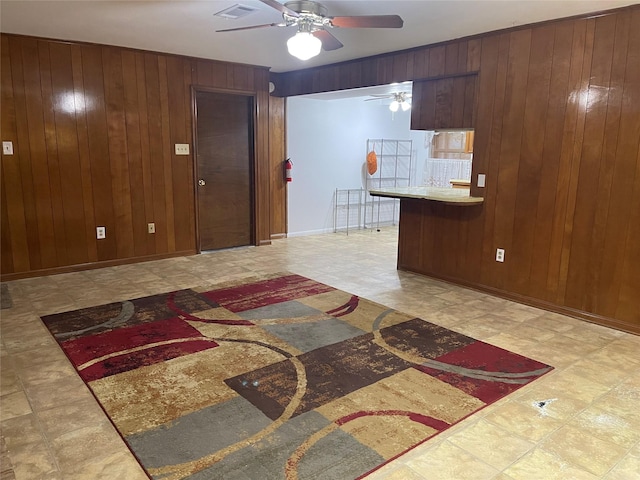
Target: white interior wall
(327, 143)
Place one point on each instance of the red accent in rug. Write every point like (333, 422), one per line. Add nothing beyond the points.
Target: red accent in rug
(266, 292)
(85, 349)
(486, 358)
(434, 423)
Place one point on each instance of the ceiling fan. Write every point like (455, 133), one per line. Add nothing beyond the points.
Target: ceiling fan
(312, 22)
(400, 100)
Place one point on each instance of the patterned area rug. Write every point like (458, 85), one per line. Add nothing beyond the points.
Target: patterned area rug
(279, 377)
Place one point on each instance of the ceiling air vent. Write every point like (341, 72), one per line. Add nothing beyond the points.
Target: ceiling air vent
(236, 11)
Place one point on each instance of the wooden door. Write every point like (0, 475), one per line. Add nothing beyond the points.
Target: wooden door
(224, 149)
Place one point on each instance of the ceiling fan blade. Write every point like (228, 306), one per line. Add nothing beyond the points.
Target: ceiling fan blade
(368, 21)
(280, 7)
(329, 42)
(254, 26)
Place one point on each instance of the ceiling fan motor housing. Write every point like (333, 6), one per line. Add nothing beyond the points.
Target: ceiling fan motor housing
(307, 7)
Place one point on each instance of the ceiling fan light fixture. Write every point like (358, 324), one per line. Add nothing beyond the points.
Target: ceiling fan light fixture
(304, 45)
(399, 101)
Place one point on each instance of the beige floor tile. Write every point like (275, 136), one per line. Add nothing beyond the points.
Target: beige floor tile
(527, 331)
(85, 448)
(512, 342)
(609, 375)
(542, 465)
(48, 372)
(480, 439)
(594, 335)
(524, 420)
(607, 426)
(446, 461)
(635, 450)
(519, 313)
(622, 401)
(14, 405)
(20, 337)
(555, 322)
(44, 395)
(31, 359)
(545, 353)
(68, 417)
(9, 382)
(568, 395)
(627, 469)
(29, 452)
(570, 345)
(578, 447)
(118, 465)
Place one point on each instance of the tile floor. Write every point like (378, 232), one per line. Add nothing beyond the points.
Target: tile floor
(589, 428)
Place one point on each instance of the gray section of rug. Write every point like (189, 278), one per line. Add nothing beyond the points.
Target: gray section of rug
(5, 297)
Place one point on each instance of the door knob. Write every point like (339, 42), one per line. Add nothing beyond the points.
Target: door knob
(202, 183)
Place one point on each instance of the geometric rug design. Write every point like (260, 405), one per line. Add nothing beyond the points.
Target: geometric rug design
(278, 377)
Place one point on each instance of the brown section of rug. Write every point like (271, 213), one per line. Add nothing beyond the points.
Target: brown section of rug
(278, 377)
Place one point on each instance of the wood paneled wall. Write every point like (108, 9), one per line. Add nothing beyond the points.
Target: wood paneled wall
(445, 103)
(557, 134)
(277, 155)
(93, 129)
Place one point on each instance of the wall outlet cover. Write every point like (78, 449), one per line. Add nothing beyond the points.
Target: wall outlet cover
(481, 180)
(182, 149)
(7, 148)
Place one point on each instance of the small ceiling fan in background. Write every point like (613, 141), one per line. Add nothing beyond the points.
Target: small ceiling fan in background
(312, 22)
(400, 100)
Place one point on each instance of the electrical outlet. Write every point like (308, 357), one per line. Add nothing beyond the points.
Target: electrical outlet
(101, 232)
(500, 255)
(182, 149)
(7, 148)
(151, 227)
(481, 180)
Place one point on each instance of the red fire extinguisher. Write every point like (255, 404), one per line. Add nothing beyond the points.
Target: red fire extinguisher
(288, 165)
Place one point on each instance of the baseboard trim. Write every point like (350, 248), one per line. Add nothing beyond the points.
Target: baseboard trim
(534, 302)
(8, 277)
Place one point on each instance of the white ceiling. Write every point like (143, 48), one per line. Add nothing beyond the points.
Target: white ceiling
(189, 27)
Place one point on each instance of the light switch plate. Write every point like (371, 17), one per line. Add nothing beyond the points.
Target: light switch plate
(481, 178)
(7, 148)
(182, 149)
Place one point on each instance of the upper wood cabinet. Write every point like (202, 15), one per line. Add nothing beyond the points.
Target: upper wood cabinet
(444, 103)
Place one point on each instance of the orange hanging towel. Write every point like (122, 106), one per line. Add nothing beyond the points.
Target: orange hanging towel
(372, 162)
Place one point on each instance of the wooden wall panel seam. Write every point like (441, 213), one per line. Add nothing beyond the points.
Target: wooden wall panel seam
(574, 164)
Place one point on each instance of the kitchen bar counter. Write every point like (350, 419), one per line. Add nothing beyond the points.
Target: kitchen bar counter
(451, 196)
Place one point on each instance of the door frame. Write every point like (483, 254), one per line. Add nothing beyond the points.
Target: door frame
(253, 163)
